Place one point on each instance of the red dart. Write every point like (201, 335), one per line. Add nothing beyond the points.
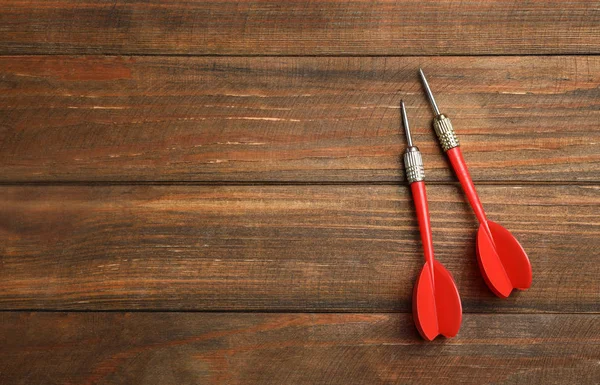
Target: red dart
(502, 261)
(436, 303)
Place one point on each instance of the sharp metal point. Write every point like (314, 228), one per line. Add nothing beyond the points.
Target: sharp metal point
(405, 124)
(428, 92)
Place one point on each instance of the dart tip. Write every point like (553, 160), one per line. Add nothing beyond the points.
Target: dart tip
(428, 92)
(422, 75)
(405, 124)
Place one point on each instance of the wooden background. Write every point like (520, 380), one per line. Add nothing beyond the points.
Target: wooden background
(211, 192)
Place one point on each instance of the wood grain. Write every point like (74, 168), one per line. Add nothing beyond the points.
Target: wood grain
(293, 119)
(282, 248)
(322, 27)
(244, 156)
(216, 348)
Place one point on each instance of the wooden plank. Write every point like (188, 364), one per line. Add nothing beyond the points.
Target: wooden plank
(282, 248)
(242, 348)
(322, 27)
(293, 119)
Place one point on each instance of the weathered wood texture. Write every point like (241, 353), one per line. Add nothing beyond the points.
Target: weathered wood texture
(273, 248)
(118, 190)
(214, 348)
(293, 119)
(325, 27)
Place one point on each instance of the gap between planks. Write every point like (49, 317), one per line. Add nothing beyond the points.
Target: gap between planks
(516, 183)
(283, 56)
(267, 312)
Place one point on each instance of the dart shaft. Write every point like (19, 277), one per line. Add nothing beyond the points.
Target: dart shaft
(462, 173)
(421, 207)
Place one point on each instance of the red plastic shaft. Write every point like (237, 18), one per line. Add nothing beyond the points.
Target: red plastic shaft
(420, 198)
(460, 168)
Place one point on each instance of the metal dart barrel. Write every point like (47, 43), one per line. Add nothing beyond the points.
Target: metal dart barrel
(413, 161)
(441, 123)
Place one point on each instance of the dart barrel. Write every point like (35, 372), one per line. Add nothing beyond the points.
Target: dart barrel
(445, 132)
(413, 164)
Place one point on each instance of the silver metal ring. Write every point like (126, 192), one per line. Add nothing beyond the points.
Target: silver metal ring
(445, 132)
(413, 164)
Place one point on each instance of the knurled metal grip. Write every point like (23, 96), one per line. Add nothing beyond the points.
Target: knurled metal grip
(413, 164)
(445, 132)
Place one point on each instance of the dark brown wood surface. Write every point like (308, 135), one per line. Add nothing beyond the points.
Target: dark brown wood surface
(322, 27)
(293, 119)
(233, 348)
(290, 248)
(211, 192)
